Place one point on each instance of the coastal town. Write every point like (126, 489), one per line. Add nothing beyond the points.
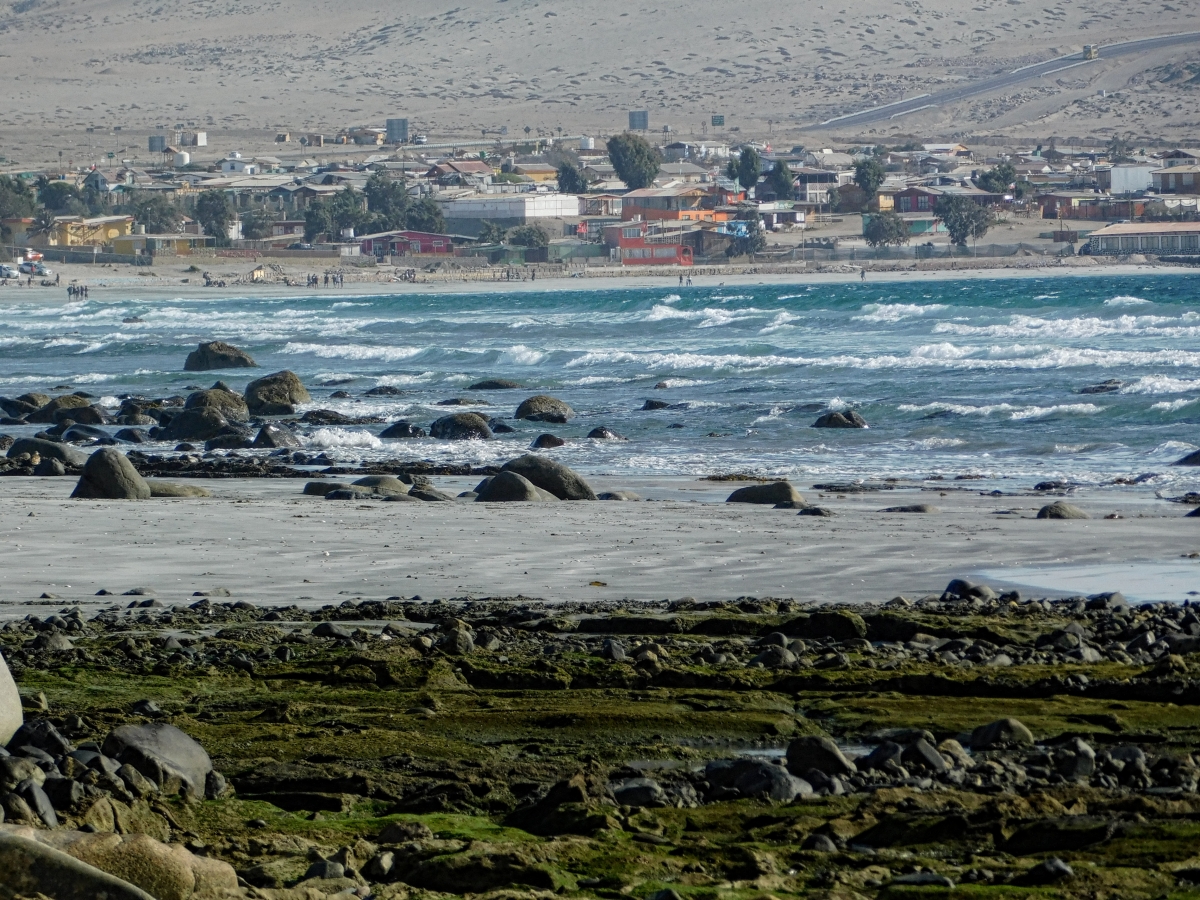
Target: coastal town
(379, 203)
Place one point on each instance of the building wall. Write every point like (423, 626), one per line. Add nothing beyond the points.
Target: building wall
(1146, 242)
(517, 208)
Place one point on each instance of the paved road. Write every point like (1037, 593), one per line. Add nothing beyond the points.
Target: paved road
(1007, 79)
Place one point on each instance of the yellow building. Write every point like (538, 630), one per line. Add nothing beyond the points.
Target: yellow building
(76, 231)
(161, 244)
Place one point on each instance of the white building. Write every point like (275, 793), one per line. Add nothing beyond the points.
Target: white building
(515, 208)
(233, 164)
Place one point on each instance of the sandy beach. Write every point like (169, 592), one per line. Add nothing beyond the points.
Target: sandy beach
(267, 544)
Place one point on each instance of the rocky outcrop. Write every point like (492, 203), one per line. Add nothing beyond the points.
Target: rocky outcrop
(461, 427)
(509, 487)
(200, 424)
(604, 433)
(218, 355)
(182, 491)
(495, 384)
(65, 454)
(273, 437)
(109, 475)
(544, 408)
(47, 412)
(165, 755)
(817, 752)
(11, 717)
(551, 476)
(402, 430)
(547, 442)
(276, 394)
(33, 868)
(229, 404)
(845, 419)
(1061, 510)
(776, 492)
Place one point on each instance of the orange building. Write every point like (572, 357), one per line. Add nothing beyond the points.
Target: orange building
(677, 202)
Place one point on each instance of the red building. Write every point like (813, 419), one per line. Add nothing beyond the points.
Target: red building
(406, 243)
(634, 244)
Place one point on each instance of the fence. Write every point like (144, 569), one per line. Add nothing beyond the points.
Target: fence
(917, 251)
(79, 255)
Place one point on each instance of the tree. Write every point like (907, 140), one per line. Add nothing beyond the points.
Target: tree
(333, 214)
(16, 202)
(964, 218)
(529, 236)
(755, 240)
(215, 214)
(999, 179)
(848, 198)
(59, 196)
(158, 214)
(492, 233)
(256, 224)
(1119, 150)
(571, 179)
(425, 215)
(886, 230)
(388, 202)
(869, 175)
(782, 182)
(749, 167)
(634, 160)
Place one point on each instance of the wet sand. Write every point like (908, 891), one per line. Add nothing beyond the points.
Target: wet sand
(266, 543)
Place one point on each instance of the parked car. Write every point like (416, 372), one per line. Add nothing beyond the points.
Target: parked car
(9, 271)
(30, 267)
(300, 245)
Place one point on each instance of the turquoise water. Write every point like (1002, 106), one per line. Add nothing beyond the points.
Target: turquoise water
(977, 378)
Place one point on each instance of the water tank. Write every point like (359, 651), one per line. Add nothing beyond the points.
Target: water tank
(587, 143)
(182, 158)
(158, 143)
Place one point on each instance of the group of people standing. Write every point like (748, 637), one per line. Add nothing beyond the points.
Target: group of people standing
(77, 291)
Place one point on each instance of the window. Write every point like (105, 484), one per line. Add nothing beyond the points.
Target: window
(923, 202)
(906, 204)
(664, 252)
(631, 233)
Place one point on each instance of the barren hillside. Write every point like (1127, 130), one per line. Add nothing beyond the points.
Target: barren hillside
(771, 67)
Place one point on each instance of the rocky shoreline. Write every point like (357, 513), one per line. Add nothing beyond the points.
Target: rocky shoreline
(508, 746)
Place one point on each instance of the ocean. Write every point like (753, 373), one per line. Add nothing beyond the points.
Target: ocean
(958, 379)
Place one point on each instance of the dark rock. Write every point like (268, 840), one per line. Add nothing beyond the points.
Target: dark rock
(84, 415)
(325, 868)
(920, 754)
(198, 424)
(132, 435)
(551, 476)
(776, 492)
(48, 412)
(229, 404)
(49, 468)
(817, 752)
(217, 355)
(332, 630)
(603, 433)
(402, 429)
(640, 792)
(429, 495)
(543, 408)
(838, 624)
(383, 484)
(547, 442)
(924, 879)
(42, 734)
(618, 495)
(383, 390)
(508, 487)
(109, 475)
(272, 436)
(912, 508)
(1001, 733)
(495, 384)
(816, 511)
(819, 843)
(847, 419)
(612, 649)
(1048, 871)
(653, 405)
(961, 589)
(499, 426)
(276, 394)
(162, 753)
(81, 434)
(321, 488)
(461, 427)
(756, 778)
(1108, 386)
(232, 437)
(68, 456)
(1061, 510)
(1192, 459)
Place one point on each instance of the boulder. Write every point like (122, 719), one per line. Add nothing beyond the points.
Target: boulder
(551, 476)
(837, 624)
(229, 404)
(547, 442)
(604, 433)
(654, 405)
(820, 753)
(1061, 510)
(47, 412)
(131, 435)
(82, 434)
(84, 415)
(232, 437)
(197, 424)
(625, 496)
(402, 429)
(276, 394)
(383, 484)
(170, 489)
(461, 427)
(543, 408)
(912, 508)
(68, 456)
(776, 492)
(321, 488)
(640, 792)
(274, 437)
(217, 355)
(11, 717)
(495, 384)
(109, 475)
(845, 419)
(32, 868)
(961, 589)
(509, 487)
(1192, 459)
(49, 468)
(162, 753)
(1001, 733)
(756, 778)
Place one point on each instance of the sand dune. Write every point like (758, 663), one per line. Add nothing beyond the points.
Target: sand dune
(240, 69)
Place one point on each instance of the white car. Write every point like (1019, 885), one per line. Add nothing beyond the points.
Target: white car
(7, 271)
(35, 268)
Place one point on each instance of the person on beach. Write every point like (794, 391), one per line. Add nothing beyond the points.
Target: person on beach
(862, 273)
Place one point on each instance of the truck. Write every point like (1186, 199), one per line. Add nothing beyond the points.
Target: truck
(1091, 51)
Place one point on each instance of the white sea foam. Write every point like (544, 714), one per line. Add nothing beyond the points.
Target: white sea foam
(353, 351)
(1013, 412)
(1161, 384)
(1021, 326)
(331, 438)
(1172, 405)
(894, 312)
(781, 321)
(520, 355)
(944, 350)
(775, 413)
(1126, 301)
(400, 380)
(671, 298)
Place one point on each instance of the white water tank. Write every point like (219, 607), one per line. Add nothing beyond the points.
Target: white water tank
(587, 143)
(182, 158)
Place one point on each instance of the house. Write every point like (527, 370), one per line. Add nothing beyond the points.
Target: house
(1125, 178)
(456, 171)
(924, 198)
(776, 213)
(1180, 157)
(161, 244)
(681, 202)
(466, 215)
(76, 231)
(19, 227)
(233, 164)
(813, 185)
(918, 224)
(600, 205)
(683, 171)
(635, 244)
(828, 159)
(1146, 237)
(1177, 179)
(540, 172)
(412, 243)
(946, 149)
(287, 228)
(598, 171)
